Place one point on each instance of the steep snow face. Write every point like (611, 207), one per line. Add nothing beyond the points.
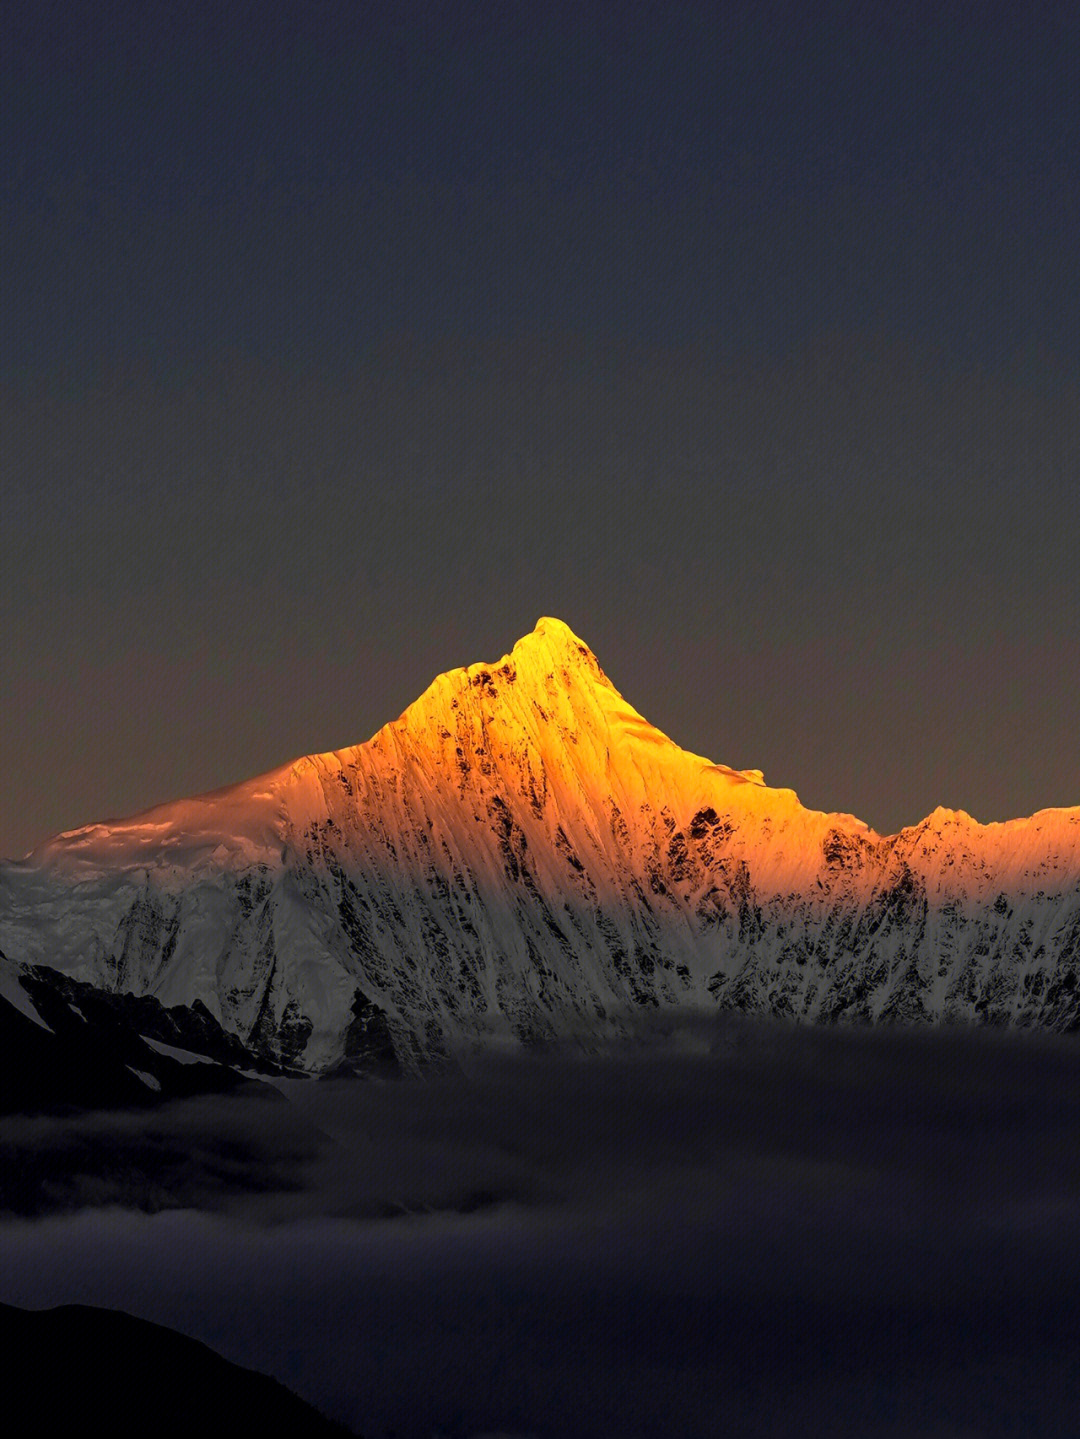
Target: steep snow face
(521, 854)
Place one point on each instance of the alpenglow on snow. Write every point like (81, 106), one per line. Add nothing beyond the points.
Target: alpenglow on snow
(521, 856)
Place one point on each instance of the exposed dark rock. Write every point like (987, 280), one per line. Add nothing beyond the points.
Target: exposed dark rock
(88, 1050)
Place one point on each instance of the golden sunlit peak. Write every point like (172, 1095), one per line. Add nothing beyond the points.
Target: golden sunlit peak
(552, 646)
(556, 637)
(548, 624)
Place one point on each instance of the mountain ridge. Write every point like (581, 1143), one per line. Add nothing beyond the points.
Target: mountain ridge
(550, 639)
(521, 853)
(567, 647)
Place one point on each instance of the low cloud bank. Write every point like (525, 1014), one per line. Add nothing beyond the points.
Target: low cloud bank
(723, 1227)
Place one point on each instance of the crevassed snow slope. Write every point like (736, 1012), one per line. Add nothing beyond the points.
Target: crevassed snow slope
(521, 854)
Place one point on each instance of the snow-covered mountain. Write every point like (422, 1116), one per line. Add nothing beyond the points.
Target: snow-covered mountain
(521, 855)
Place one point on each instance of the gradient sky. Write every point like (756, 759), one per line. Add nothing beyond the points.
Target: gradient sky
(339, 342)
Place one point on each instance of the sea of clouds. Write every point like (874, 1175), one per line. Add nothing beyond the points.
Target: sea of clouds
(720, 1227)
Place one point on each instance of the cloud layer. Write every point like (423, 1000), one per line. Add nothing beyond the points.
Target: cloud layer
(721, 1228)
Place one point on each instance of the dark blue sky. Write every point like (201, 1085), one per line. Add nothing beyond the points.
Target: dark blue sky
(339, 342)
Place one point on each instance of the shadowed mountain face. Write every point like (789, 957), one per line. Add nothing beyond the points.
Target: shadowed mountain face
(170, 1385)
(522, 856)
(66, 1046)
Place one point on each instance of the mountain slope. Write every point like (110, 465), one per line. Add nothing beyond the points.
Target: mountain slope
(521, 854)
(66, 1046)
(120, 1376)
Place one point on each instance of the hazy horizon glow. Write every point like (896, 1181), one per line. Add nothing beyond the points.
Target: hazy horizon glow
(339, 347)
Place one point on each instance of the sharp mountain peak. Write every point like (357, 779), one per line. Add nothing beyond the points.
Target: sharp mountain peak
(521, 852)
(549, 651)
(547, 703)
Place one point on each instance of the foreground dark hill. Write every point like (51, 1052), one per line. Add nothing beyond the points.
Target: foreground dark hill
(111, 1374)
(522, 856)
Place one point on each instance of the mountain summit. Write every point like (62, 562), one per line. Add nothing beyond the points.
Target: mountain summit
(521, 854)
